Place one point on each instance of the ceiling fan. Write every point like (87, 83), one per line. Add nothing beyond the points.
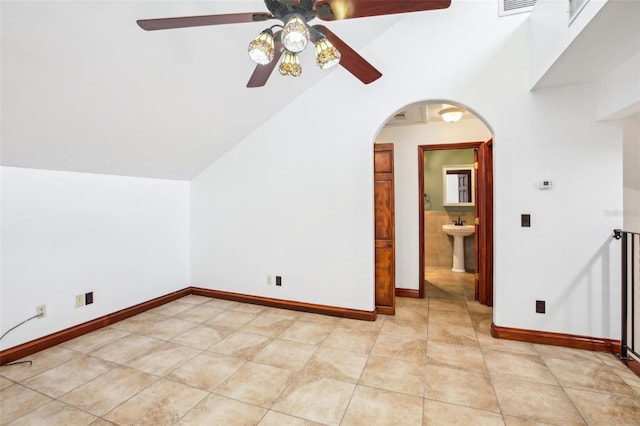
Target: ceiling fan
(295, 32)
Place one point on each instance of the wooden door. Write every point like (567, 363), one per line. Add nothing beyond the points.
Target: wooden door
(485, 228)
(476, 214)
(483, 209)
(385, 259)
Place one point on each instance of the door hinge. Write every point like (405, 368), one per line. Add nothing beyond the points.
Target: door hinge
(476, 276)
(477, 221)
(475, 165)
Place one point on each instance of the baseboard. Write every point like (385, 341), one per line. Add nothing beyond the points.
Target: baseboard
(633, 365)
(557, 339)
(37, 345)
(42, 343)
(287, 304)
(407, 292)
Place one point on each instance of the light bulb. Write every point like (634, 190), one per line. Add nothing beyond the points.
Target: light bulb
(290, 65)
(295, 34)
(326, 54)
(451, 115)
(261, 48)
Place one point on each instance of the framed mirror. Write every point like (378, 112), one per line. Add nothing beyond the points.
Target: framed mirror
(458, 185)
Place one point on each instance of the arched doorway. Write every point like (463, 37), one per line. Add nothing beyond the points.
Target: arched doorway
(412, 131)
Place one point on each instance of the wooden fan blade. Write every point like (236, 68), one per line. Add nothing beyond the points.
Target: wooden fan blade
(262, 72)
(350, 59)
(200, 21)
(330, 10)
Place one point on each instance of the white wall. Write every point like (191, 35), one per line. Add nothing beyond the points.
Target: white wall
(406, 140)
(295, 197)
(631, 167)
(619, 91)
(293, 207)
(63, 234)
(551, 33)
(567, 257)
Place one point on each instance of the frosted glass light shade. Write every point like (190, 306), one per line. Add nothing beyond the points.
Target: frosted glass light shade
(326, 54)
(451, 115)
(290, 65)
(295, 34)
(261, 48)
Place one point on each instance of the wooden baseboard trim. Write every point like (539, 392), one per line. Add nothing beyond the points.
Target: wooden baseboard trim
(407, 292)
(386, 310)
(557, 339)
(633, 365)
(37, 345)
(286, 304)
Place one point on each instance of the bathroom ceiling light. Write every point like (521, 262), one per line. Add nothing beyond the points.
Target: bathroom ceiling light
(451, 115)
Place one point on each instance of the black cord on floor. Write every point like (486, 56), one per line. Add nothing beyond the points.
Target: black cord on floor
(11, 329)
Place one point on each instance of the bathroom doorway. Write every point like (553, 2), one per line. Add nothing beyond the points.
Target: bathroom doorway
(423, 126)
(455, 226)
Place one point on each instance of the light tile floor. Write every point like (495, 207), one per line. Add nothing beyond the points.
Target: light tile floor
(201, 361)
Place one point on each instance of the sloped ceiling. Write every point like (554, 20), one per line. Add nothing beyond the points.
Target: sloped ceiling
(85, 89)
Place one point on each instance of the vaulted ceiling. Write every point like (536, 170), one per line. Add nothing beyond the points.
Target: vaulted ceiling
(85, 89)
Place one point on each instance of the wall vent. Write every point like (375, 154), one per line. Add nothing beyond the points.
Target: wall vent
(415, 114)
(511, 7)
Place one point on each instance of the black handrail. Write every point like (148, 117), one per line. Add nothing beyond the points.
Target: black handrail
(629, 265)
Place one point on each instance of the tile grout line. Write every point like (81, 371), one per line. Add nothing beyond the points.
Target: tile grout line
(489, 375)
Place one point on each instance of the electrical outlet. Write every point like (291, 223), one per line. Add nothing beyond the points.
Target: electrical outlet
(525, 221)
(88, 298)
(41, 311)
(278, 280)
(79, 300)
(541, 307)
(269, 280)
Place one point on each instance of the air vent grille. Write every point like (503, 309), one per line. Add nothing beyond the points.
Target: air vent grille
(511, 7)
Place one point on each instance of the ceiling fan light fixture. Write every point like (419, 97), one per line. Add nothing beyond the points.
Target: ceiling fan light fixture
(451, 115)
(290, 64)
(326, 54)
(295, 34)
(261, 48)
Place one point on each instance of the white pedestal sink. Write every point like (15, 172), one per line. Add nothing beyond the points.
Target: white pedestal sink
(458, 233)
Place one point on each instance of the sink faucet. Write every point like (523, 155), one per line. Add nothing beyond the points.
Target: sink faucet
(458, 222)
